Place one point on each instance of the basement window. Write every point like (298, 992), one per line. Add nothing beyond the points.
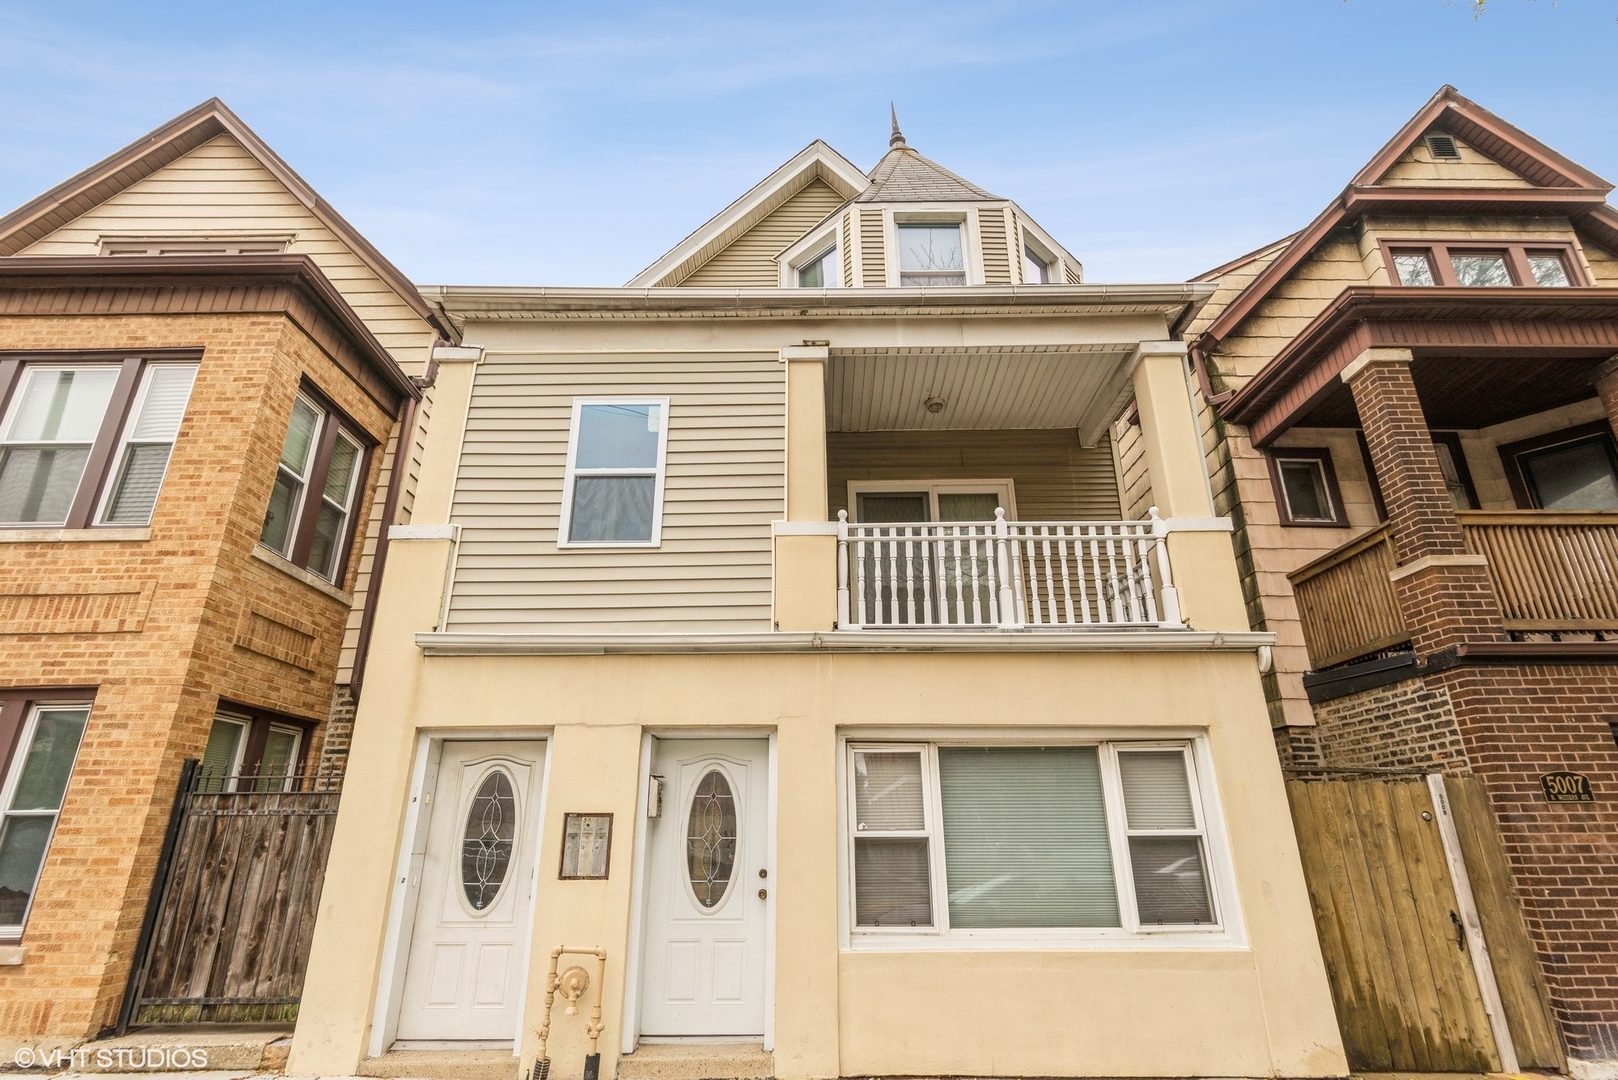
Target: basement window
(1085, 840)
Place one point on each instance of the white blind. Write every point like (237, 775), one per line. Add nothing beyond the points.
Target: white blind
(887, 791)
(892, 886)
(1156, 794)
(142, 475)
(167, 392)
(1025, 837)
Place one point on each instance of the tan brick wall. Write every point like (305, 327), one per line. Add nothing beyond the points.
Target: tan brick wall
(158, 686)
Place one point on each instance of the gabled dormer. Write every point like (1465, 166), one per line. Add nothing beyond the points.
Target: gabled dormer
(818, 223)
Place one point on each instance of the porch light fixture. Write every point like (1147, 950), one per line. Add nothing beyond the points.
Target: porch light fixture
(935, 405)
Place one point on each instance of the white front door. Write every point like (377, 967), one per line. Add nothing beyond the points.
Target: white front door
(464, 976)
(707, 883)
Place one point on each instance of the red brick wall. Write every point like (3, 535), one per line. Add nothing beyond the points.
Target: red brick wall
(158, 685)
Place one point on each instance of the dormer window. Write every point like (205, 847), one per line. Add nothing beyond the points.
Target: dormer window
(931, 253)
(819, 271)
(1036, 269)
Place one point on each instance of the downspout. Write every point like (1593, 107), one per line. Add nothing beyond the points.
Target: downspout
(390, 509)
(1204, 382)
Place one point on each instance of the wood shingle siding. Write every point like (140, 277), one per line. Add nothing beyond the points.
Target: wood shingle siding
(219, 189)
(750, 261)
(725, 484)
(1054, 478)
(873, 268)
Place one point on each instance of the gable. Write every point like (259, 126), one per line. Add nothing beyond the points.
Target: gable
(1418, 167)
(220, 189)
(749, 260)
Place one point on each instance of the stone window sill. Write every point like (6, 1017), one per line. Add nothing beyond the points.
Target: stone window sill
(292, 569)
(58, 535)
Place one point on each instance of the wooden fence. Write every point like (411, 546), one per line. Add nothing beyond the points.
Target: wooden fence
(1393, 923)
(233, 910)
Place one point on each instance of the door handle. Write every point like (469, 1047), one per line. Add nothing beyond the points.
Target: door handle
(1460, 931)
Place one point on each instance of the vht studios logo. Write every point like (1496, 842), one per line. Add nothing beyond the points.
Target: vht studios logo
(112, 1058)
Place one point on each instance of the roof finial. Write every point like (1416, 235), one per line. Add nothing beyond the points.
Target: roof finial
(897, 139)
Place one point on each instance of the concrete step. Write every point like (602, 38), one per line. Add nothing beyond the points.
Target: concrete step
(442, 1065)
(698, 1061)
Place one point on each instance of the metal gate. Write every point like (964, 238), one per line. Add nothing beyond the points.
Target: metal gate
(1430, 964)
(232, 911)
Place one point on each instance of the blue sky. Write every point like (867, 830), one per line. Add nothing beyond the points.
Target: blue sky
(545, 143)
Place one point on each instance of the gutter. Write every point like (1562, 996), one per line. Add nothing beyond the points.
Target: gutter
(390, 509)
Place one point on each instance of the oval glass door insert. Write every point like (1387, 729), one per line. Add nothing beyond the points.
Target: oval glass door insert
(710, 839)
(488, 839)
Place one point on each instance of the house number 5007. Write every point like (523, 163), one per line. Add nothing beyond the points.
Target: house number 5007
(1566, 787)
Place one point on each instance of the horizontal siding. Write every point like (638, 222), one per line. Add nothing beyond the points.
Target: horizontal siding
(1053, 477)
(873, 265)
(992, 236)
(749, 262)
(1137, 494)
(725, 484)
(221, 189)
(847, 250)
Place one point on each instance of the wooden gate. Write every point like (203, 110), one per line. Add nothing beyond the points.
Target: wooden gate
(1429, 962)
(228, 928)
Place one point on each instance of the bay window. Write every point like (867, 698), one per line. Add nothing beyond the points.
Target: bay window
(87, 442)
(1085, 840)
(317, 482)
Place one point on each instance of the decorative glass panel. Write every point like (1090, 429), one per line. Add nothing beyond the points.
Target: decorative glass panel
(931, 255)
(1025, 837)
(710, 839)
(488, 839)
(1549, 271)
(1481, 270)
(1413, 269)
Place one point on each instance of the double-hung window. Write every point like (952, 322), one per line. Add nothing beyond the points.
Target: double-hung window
(248, 752)
(86, 443)
(613, 492)
(317, 481)
(39, 741)
(1081, 841)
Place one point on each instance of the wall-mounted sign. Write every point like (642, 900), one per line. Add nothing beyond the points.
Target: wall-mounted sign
(1566, 787)
(586, 846)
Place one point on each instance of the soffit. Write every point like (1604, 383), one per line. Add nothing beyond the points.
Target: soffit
(982, 388)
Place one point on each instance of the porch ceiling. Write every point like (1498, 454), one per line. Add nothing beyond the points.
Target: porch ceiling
(1468, 393)
(1082, 387)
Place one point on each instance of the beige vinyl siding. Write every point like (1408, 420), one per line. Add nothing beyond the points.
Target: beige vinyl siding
(848, 250)
(1136, 497)
(749, 262)
(221, 189)
(873, 264)
(725, 484)
(1053, 477)
(992, 238)
(1074, 276)
(1419, 168)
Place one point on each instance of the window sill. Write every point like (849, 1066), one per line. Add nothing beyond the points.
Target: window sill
(292, 569)
(13, 535)
(1158, 941)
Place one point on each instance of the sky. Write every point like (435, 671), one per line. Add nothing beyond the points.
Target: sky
(572, 144)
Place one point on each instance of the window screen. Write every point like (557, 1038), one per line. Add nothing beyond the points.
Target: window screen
(615, 478)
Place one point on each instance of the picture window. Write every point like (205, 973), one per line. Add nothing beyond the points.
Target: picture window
(1573, 470)
(931, 254)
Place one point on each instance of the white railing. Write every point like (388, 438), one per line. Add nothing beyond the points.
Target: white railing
(1007, 575)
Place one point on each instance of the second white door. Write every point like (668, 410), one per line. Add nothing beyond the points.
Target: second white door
(707, 889)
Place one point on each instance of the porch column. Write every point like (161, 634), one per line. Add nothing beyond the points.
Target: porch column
(805, 541)
(1443, 591)
(1607, 387)
(1200, 553)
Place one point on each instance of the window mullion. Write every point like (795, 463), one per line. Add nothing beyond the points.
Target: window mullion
(315, 489)
(93, 479)
(1517, 261)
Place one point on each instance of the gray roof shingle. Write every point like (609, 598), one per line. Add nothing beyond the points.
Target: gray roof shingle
(905, 176)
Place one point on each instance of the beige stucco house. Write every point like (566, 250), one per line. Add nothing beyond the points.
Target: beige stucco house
(768, 630)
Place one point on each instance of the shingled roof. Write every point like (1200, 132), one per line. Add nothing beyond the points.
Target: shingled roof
(905, 176)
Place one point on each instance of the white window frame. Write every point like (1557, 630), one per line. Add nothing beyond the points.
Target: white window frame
(126, 432)
(8, 791)
(292, 762)
(814, 246)
(935, 214)
(245, 723)
(1225, 932)
(933, 489)
(273, 244)
(565, 520)
(1033, 236)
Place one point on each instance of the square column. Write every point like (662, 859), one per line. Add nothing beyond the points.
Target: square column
(1444, 592)
(805, 542)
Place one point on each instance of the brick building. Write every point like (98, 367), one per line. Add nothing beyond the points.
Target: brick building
(1408, 410)
(202, 384)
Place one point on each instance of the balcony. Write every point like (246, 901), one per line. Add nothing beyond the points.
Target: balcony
(1554, 573)
(1004, 575)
